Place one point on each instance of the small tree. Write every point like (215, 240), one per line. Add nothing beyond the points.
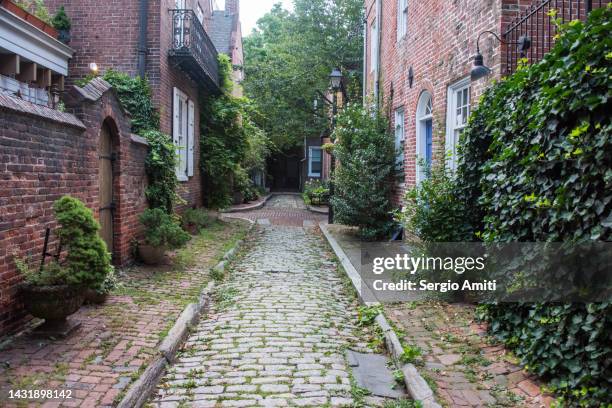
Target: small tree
(363, 179)
(60, 20)
(87, 259)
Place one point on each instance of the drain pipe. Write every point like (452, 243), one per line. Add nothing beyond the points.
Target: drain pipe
(378, 51)
(365, 54)
(142, 37)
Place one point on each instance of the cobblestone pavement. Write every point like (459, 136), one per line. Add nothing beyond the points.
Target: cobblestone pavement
(277, 332)
(283, 209)
(467, 371)
(117, 339)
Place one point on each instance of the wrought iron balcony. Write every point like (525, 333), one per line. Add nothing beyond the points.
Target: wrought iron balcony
(192, 50)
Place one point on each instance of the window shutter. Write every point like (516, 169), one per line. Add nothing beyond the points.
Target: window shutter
(190, 139)
(175, 127)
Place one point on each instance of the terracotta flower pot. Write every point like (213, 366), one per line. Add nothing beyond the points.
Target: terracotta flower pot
(151, 255)
(52, 303)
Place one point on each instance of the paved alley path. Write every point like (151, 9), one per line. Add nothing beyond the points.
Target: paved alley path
(283, 209)
(277, 332)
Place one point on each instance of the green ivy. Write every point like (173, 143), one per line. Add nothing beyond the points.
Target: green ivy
(160, 165)
(362, 183)
(231, 144)
(536, 165)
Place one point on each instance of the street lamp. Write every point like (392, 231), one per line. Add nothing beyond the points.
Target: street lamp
(335, 79)
(480, 70)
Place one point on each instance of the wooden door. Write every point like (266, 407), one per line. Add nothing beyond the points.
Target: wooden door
(107, 206)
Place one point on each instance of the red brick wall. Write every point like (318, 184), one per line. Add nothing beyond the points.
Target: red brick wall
(107, 33)
(439, 45)
(42, 160)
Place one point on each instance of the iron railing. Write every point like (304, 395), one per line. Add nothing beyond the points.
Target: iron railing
(192, 47)
(535, 22)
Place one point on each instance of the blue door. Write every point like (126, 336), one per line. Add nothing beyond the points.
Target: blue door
(428, 143)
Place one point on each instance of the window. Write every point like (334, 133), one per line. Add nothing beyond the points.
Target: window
(373, 47)
(183, 134)
(315, 161)
(402, 18)
(180, 4)
(458, 112)
(399, 140)
(424, 127)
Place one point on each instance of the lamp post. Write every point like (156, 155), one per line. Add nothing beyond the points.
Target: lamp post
(335, 79)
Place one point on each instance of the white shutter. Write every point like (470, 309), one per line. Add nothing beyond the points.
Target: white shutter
(190, 139)
(175, 127)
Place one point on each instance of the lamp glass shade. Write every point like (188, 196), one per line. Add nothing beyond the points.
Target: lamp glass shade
(479, 70)
(335, 78)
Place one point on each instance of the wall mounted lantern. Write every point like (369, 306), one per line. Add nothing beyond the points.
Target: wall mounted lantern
(410, 76)
(480, 70)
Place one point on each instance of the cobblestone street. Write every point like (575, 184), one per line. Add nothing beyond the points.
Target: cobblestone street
(277, 332)
(283, 209)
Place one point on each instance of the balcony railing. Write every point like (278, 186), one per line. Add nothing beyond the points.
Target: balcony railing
(536, 23)
(192, 50)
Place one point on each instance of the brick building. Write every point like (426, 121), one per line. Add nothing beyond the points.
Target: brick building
(168, 42)
(418, 58)
(226, 35)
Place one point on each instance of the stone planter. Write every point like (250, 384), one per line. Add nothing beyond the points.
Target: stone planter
(94, 298)
(54, 304)
(151, 255)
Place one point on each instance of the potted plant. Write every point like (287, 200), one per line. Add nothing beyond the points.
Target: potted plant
(58, 289)
(193, 220)
(162, 232)
(62, 24)
(98, 296)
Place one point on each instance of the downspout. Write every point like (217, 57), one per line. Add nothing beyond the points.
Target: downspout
(142, 37)
(365, 55)
(378, 53)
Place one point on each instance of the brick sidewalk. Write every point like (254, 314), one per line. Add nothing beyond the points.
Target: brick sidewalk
(283, 209)
(463, 368)
(118, 339)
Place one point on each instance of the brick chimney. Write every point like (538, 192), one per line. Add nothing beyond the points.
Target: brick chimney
(232, 6)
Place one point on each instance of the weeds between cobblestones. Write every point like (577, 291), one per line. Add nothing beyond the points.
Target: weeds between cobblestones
(277, 332)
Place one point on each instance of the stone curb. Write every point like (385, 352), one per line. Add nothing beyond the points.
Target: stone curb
(352, 273)
(249, 207)
(316, 210)
(140, 391)
(417, 387)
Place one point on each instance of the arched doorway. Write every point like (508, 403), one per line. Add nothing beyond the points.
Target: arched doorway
(106, 158)
(424, 136)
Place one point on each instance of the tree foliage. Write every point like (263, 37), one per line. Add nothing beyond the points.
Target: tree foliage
(289, 58)
(366, 152)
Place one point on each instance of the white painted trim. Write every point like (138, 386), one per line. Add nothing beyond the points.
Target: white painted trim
(310, 149)
(191, 137)
(450, 108)
(20, 37)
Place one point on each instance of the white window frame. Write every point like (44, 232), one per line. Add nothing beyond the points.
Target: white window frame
(373, 46)
(402, 19)
(455, 123)
(183, 134)
(310, 150)
(400, 138)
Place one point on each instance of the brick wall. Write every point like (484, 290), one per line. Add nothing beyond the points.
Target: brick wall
(107, 33)
(439, 46)
(44, 157)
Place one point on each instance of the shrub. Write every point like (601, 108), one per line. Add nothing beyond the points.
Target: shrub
(60, 20)
(87, 258)
(162, 230)
(535, 166)
(366, 153)
(194, 217)
(431, 210)
(51, 274)
(160, 166)
(316, 192)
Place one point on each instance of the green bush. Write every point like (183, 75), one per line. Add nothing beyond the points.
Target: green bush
(316, 192)
(195, 217)
(535, 165)
(60, 20)
(51, 274)
(87, 258)
(162, 230)
(431, 210)
(363, 180)
(160, 165)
